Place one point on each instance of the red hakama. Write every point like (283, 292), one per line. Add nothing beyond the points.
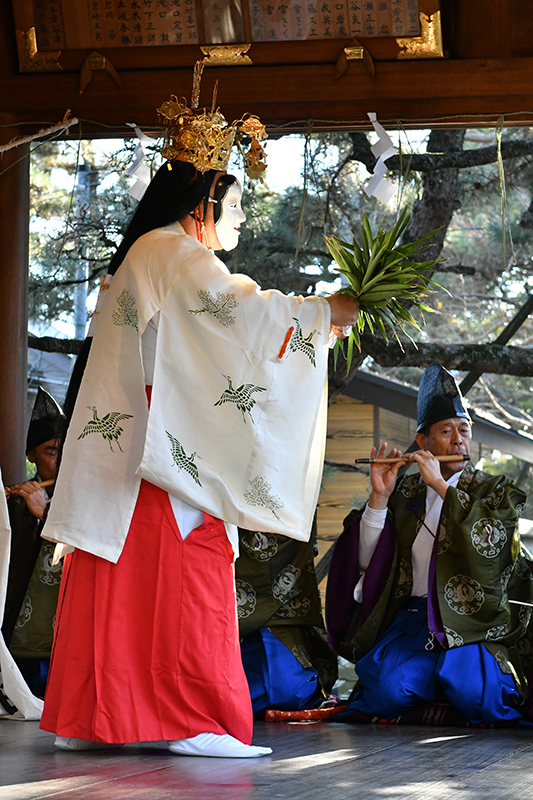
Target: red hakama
(147, 649)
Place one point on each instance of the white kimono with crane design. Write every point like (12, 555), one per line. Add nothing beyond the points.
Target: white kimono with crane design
(236, 422)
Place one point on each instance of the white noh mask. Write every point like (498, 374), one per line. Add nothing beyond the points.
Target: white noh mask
(228, 224)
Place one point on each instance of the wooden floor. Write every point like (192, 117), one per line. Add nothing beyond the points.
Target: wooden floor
(310, 762)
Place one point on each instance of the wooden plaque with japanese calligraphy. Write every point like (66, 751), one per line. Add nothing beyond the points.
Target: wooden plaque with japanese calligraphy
(290, 20)
(61, 25)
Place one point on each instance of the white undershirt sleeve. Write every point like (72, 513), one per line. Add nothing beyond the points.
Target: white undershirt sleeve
(371, 525)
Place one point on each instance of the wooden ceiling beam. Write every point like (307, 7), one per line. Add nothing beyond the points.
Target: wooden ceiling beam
(420, 93)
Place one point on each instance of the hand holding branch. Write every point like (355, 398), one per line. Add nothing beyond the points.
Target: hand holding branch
(344, 313)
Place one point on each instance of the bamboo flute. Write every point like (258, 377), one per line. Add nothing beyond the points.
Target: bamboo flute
(407, 458)
(42, 484)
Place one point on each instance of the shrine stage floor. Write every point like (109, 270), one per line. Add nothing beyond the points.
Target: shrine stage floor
(310, 762)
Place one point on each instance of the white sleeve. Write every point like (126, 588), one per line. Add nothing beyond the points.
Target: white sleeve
(371, 525)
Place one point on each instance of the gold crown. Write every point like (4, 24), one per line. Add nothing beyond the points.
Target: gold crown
(204, 138)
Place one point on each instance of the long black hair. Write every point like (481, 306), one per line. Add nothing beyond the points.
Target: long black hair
(176, 189)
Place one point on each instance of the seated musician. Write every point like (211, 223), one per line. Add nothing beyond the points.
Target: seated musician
(33, 582)
(430, 590)
(286, 657)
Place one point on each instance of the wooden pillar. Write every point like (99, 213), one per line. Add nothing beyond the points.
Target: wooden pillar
(14, 235)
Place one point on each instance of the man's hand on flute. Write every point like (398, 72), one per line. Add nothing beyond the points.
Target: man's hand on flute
(430, 470)
(444, 449)
(383, 476)
(33, 494)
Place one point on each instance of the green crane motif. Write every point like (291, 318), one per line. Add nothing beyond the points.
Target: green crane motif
(298, 342)
(182, 460)
(107, 426)
(242, 397)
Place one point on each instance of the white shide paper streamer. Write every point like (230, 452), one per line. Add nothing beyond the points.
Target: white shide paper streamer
(139, 169)
(379, 186)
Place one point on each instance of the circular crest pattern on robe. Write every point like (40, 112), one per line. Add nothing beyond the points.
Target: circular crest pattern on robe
(285, 581)
(488, 537)
(261, 546)
(246, 599)
(464, 595)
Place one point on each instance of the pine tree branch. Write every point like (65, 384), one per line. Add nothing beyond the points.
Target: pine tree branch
(486, 358)
(48, 344)
(37, 285)
(483, 358)
(457, 269)
(431, 162)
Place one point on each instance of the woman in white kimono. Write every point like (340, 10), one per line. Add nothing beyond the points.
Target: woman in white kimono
(199, 409)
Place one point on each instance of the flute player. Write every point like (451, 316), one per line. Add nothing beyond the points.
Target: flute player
(429, 587)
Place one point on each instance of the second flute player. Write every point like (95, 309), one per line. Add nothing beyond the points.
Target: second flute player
(427, 587)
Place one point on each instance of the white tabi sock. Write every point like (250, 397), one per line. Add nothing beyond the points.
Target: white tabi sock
(216, 746)
(70, 743)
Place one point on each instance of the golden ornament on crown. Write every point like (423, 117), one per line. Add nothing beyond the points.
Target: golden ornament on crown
(204, 138)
